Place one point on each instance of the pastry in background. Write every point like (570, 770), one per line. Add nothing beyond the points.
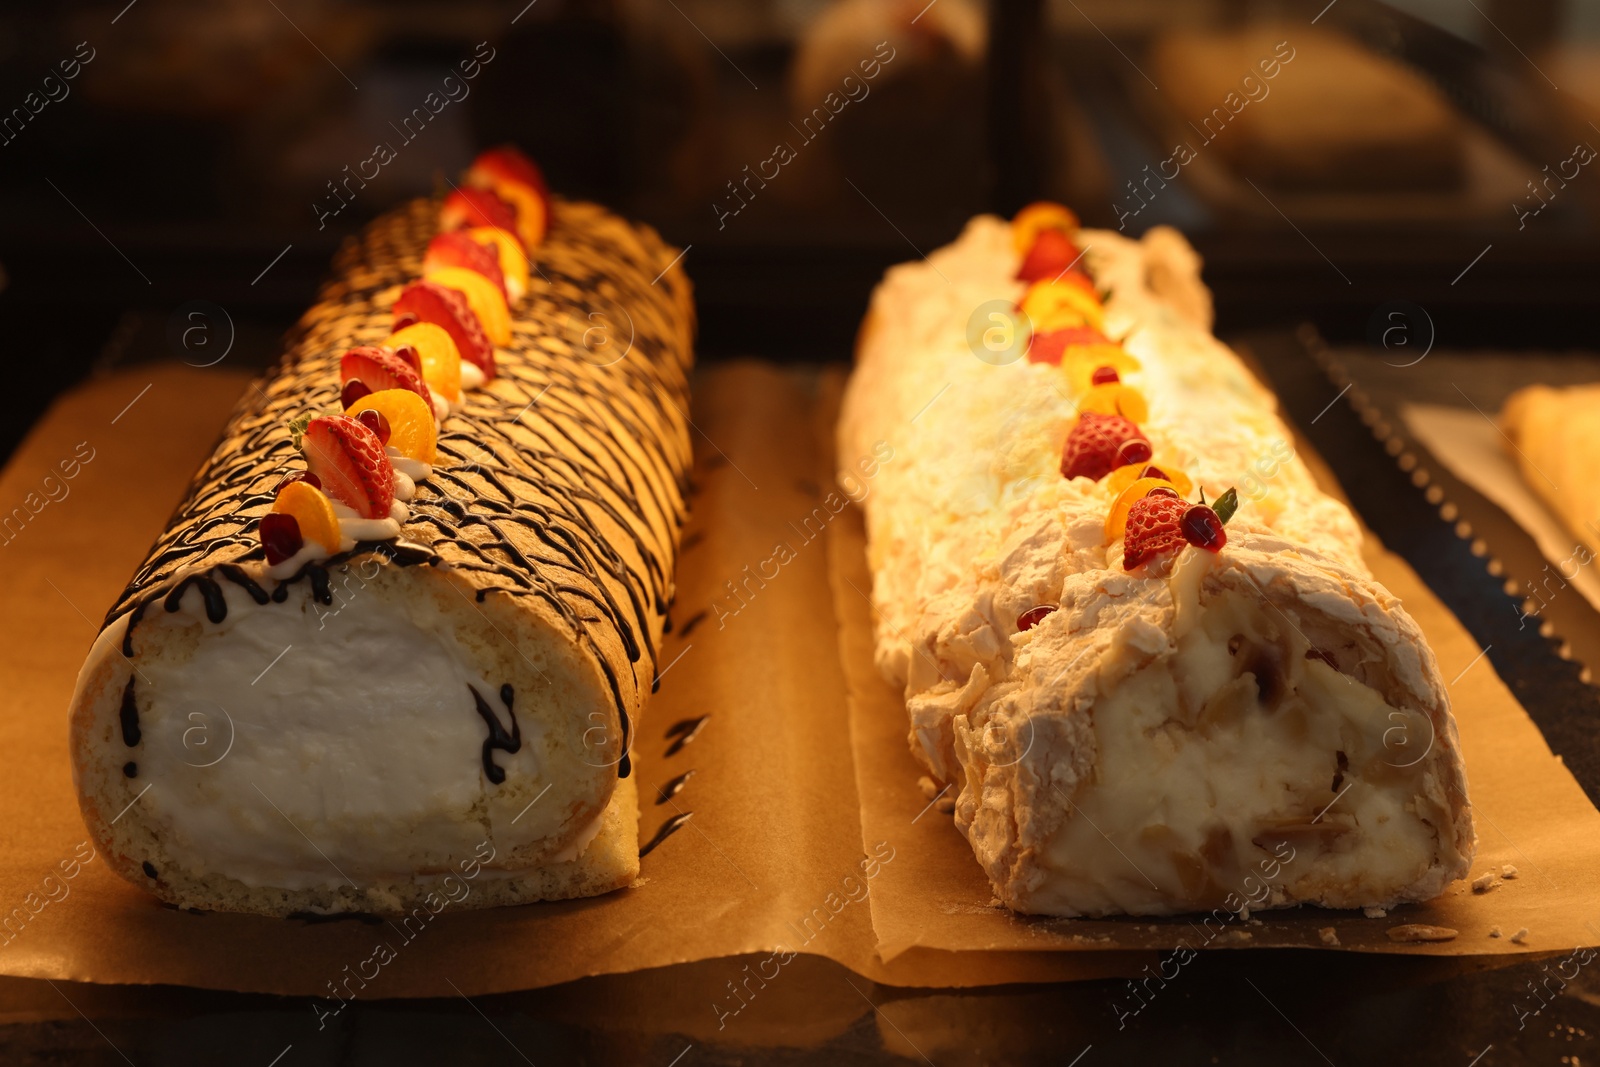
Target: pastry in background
(1298, 107)
(891, 92)
(1554, 438)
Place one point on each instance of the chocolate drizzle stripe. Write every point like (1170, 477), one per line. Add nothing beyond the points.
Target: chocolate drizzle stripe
(667, 790)
(666, 830)
(498, 737)
(238, 577)
(128, 715)
(210, 593)
(684, 731)
(561, 480)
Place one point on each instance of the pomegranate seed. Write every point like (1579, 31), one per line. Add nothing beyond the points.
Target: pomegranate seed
(280, 536)
(373, 420)
(353, 390)
(409, 354)
(409, 318)
(1133, 451)
(1033, 616)
(1163, 490)
(1203, 529)
(299, 476)
(1105, 376)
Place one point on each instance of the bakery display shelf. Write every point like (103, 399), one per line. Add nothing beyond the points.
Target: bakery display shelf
(1491, 173)
(1501, 131)
(1474, 556)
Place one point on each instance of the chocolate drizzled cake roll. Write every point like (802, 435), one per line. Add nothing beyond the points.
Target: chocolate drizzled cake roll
(455, 703)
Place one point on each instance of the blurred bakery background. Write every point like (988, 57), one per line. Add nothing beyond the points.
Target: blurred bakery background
(176, 174)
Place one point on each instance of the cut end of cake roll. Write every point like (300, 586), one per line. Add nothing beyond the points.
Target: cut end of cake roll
(314, 753)
(1267, 730)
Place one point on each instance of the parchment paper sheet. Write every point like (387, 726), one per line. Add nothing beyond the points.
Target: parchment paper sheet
(769, 863)
(1529, 813)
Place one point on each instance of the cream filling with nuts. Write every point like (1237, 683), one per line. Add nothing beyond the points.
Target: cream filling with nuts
(1241, 747)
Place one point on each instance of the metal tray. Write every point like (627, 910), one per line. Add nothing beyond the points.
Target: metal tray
(1473, 555)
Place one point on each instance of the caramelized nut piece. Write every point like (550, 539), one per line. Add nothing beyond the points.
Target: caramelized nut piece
(1302, 832)
(1421, 932)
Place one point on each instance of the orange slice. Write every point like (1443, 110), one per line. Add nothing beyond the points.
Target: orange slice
(313, 510)
(412, 431)
(482, 297)
(441, 360)
(1041, 215)
(1115, 398)
(1126, 475)
(1052, 305)
(1117, 517)
(513, 260)
(1081, 361)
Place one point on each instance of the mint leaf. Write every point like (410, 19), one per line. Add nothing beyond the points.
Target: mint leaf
(297, 427)
(1226, 505)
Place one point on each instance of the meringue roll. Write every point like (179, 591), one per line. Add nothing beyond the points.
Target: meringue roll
(1142, 703)
(450, 697)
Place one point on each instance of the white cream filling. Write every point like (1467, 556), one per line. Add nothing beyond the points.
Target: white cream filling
(1200, 780)
(357, 528)
(412, 470)
(472, 376)
(302, 744)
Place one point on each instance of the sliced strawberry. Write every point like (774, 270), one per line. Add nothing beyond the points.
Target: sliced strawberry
(456, 249)
(1099, 444)
(1052, 253)
(349, 460)
(1155, 527)
(378, 368)
(1048, 347)
(466, 208)
(518, 181)
(432, 302)
(507, 162)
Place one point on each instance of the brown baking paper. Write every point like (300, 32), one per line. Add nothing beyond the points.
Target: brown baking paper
(770, 863)
(1528, 810)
